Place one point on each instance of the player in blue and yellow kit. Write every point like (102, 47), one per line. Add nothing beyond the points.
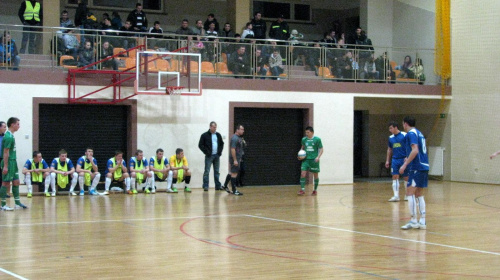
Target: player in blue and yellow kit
(314, 149)
(10, 172)
(36, 170)
(161, 168)
(417, 162)
(139, 171)
(88, 173)
(116, 170)
(62, 167)
(396, 154)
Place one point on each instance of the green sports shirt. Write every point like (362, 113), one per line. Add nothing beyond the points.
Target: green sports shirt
(9, 142)
(312, 146)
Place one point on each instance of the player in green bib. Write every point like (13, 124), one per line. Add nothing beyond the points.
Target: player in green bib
(314, 149)
(10, 172)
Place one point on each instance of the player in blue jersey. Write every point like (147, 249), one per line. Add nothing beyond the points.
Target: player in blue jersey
(139, 171)
(116, 171)
(417, 163)
(61, 169)
(396, 154)
(36, 170)
(88, 173)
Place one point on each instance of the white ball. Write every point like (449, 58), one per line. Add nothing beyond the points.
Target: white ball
(301, 155)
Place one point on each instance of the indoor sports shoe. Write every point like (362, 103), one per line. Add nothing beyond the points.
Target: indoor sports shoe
(410, 225)
(422, 226)
(175, 190)
(29, 195)
(226, 189)
(47, 194)
(72, 193)
(21, 206)
(236, 192)
(53, 194)
(92, 192)
(186, 189)
(153, 191)
(105, 193)
(170, 190)
(134, 191)
(301, 192)
(129, 192)
(7, 208)
(394, 199)
(314, 193)
(147, 191)
(406, 198)
(82, 193)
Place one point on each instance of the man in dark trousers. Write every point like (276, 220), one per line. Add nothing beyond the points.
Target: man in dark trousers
(31, 15)
(211, 145)
(259, 26)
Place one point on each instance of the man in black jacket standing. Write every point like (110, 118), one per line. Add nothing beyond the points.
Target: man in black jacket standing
(211, 145)
(259, 27)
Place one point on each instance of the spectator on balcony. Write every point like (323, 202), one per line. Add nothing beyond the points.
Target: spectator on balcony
(226, 34)
(184, 29)
(31, 15)
(107, 52)
(86, 55)
(384, 67)
(138, 19)
(313, 57)
(211, 18)
(417, 71)
(259, 26)
(81, 13)
(65, 21)
(199, 29)
(370, 70)
(363, 46)
(260, 63)
(248, 32)
(276, 64)
(239, 62)
(8, 51)
(116, 21)
(127, 43)
(71, 43)
(405, 68)
(279, 29)
(211, 43)
(234, 46)
(156, 30)
(345, 66)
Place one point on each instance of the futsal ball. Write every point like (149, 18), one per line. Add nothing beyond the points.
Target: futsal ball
(301, 155)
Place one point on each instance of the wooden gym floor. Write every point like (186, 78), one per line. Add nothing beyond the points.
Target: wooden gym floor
(347, 231)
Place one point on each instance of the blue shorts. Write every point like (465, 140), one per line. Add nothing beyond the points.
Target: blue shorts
(418, 178)
(396, 164)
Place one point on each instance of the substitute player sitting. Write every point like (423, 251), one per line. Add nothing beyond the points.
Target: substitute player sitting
(159, 165)
(180, 170)
(139, 171)
(88, 174)
(63, 168)
(116, 171)
(36, 170)
(314, 149)
(397, 152)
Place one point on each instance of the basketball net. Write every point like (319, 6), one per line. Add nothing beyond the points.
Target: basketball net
(174, 90)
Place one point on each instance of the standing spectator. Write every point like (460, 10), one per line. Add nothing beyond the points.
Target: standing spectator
(211, 18)
(8, 51)
(31, 15)
(239, 62)
(226, 33)
(259, 26)
(116, 21)
(276, 64)
(86, 55)
(211, 144)
(248, 32)
(71, 43)
(211, 45)
(138, 19)
(65, 21)
(279, 29)
(81, 13)
(235, 156)
(363, 46)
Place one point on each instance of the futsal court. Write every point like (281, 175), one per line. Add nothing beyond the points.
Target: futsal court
(347, 231)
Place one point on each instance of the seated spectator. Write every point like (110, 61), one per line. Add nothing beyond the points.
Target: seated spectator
(297, 51)
(346, 66)
(198, 29)
(86, 55)
(405, 68)
(185, 29)
(211, 19)
(276, 64)
(384, 67)
(65, 21)
(107, 52)
(71, 43)
(155, 32)
(239, 62)
(370, 70)
(227, 32)
(8, 51)
(248, 32)
(417, 71)
(116, 21)
(260, 63)
(313, 57)
(127, 43)
(234, 46)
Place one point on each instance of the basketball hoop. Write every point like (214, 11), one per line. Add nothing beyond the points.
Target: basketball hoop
(174, 90)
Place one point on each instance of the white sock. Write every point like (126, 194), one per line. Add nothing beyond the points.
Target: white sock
(421, 207)
(95, 181)
(395, 187)
(27, 179)
(74, 180)
(149, 181)
(52, 182)
(81, 181)
(127, 183)
(406, 186)
(412, 205)
(47, 183)
(107, 184)
(152, 180)
(169, 179)
(132, 183)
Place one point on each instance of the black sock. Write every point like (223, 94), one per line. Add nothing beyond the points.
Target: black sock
(228, 178)
(187, 180)
(234, 183)
(174, 181)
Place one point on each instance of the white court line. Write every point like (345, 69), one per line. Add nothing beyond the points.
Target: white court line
(115, 221)
(12, 274)
(376, 235)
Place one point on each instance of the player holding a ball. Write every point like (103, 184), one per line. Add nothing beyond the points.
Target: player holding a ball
(314, 149)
